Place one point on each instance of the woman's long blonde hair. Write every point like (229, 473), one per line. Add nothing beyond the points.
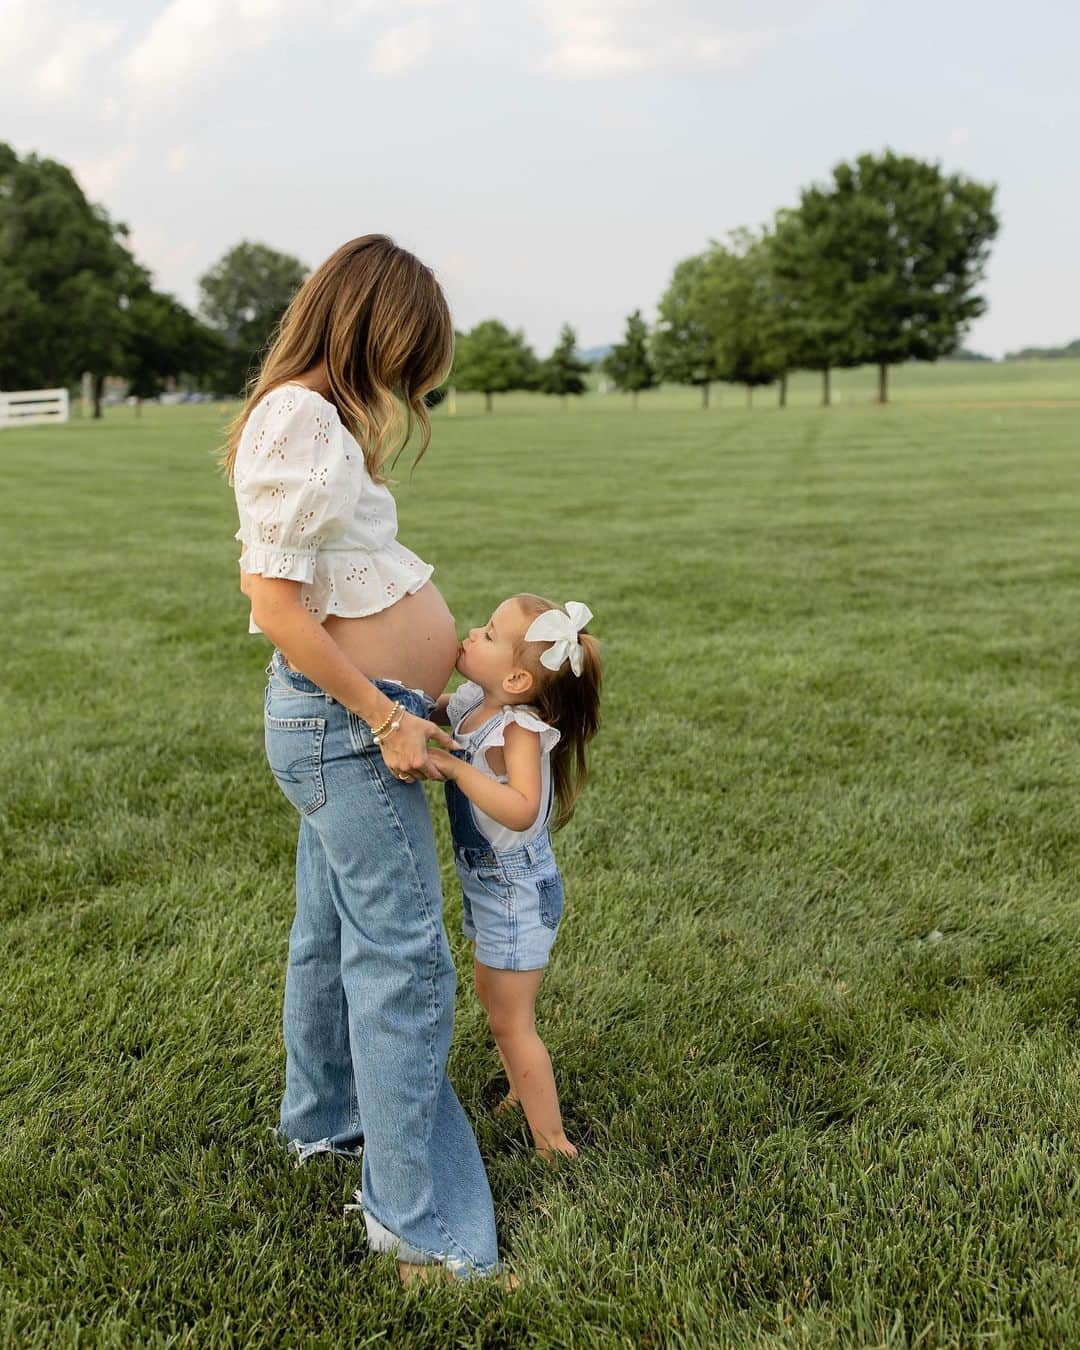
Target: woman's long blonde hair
(378, 318)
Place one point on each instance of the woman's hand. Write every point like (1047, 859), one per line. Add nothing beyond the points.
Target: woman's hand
(406, 753)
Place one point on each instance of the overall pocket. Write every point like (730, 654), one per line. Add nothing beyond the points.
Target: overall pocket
(495, 883)
(488, 879)
(551, 899)
(294, 752)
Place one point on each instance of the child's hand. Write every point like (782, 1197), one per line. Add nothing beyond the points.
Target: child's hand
(446, 763)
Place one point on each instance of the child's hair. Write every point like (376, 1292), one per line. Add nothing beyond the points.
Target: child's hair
(569, 702)
(378, 318)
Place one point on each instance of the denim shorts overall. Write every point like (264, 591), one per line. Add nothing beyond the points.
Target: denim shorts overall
(512, 898)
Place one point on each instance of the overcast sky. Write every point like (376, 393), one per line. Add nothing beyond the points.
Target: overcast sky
(551, 159)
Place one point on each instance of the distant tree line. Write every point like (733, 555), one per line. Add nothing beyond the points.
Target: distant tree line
(881, 264)
(491, 359)
(1070, 349)
(878, 266)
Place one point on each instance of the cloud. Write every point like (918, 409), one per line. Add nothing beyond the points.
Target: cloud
(190, 37)
(70, 51)
(98, 173)
(612, 37)
(47, 49)
(401, 48)
(178, 158)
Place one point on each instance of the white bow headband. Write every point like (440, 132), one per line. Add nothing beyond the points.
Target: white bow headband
(561, 630)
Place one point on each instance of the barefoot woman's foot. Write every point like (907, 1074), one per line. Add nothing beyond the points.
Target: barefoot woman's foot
(409, 1274)
(431, 1274)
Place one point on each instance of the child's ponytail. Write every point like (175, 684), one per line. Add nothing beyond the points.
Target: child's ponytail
(570, 703)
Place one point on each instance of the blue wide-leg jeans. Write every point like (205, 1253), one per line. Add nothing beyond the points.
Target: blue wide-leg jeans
(369, 989)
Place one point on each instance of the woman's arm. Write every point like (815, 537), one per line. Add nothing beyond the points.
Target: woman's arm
(514, 804)
(277, 611)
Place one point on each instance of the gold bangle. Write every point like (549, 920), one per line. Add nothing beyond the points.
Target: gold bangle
(390, 730)
(378, 731)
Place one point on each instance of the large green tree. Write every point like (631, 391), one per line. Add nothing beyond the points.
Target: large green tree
(682, 345)
(163, 340)
(563, 372)
(66, 274)
(899, 247)
(242, 297)
(490, 359)
(735, 310)
(812, 295)
(628, 363)
(72, 297)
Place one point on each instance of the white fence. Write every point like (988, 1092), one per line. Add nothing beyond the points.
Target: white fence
(26, 407)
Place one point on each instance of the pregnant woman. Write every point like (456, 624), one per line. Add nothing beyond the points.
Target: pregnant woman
(364, 644)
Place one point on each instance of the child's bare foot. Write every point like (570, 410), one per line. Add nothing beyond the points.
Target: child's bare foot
(509, 1103)
(555, 1148)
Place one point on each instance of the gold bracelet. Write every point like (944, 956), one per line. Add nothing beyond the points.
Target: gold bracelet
(389, 732)
(378, 731)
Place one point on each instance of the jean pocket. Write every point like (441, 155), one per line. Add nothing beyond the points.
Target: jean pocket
(551, 899)
(494, 882)
(294, 752)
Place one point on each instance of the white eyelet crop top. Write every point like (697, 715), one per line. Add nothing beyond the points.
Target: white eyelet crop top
(310, 512)
(482, 738)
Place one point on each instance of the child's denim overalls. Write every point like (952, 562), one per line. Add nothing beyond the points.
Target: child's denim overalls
(512, 898)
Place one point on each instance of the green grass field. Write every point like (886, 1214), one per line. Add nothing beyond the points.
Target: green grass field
(815, 1006)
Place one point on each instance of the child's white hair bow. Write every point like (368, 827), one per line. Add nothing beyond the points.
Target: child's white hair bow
(561, 630)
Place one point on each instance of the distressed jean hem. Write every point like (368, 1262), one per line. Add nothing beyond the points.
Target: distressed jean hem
(381, 1239)
(303, 1151)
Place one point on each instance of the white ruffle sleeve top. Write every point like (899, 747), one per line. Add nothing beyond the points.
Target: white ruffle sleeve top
(481, 739)
(310, 511)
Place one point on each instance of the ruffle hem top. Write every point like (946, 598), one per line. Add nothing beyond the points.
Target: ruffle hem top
(310, 511)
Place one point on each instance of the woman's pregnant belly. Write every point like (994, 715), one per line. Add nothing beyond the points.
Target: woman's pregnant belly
(414, 641)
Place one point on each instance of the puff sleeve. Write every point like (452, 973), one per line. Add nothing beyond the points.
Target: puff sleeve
(549, 735)
(291, 479)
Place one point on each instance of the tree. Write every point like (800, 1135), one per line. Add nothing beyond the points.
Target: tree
(242, 297)
(65, 278)
(562, 372)
(26, 330)
(164, 340)
(682, 346)
(72, 296)
(901, 247)
(813, 298)
(780, 331)
(490, 359)
(628, 363)
(737, 312)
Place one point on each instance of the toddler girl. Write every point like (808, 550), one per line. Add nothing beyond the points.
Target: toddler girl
(529, 706)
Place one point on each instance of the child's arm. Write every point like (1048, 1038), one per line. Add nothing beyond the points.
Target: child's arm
(439, 713)
(514, 804)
